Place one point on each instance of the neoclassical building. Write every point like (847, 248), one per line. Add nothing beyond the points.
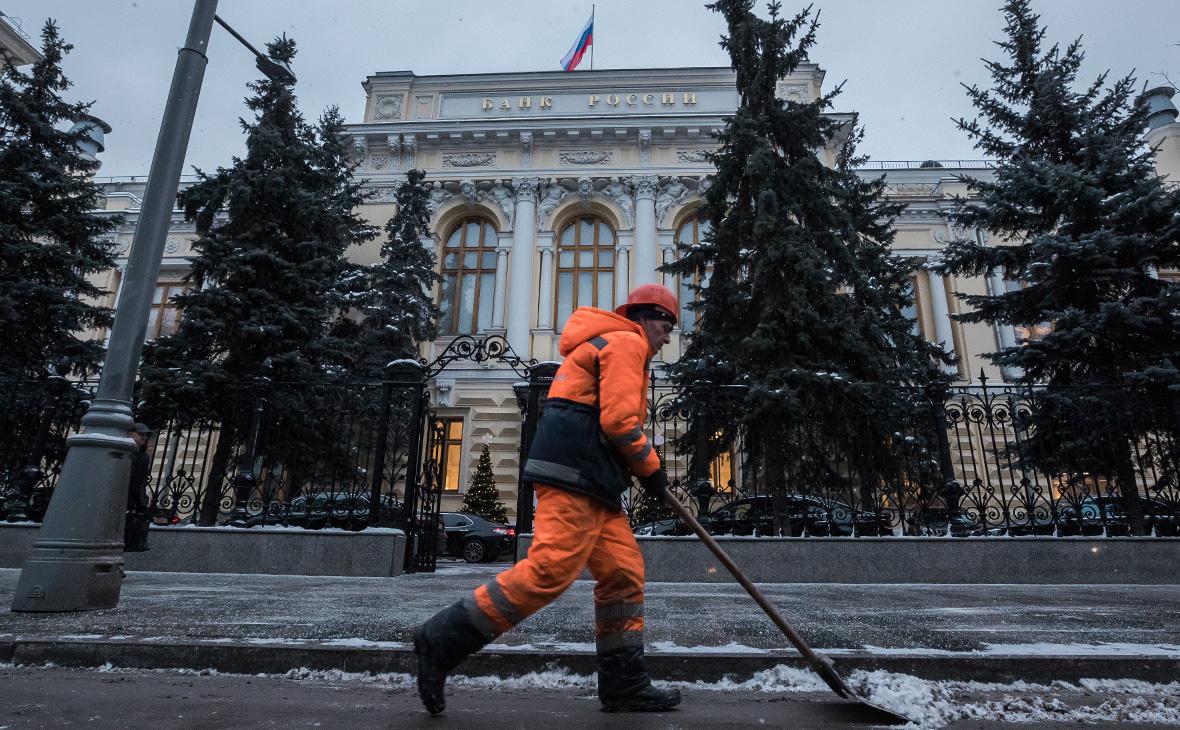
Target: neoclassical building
(555, 190)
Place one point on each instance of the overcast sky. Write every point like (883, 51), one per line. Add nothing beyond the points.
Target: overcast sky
(902, 60)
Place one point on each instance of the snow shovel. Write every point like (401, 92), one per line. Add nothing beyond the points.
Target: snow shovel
(821, 665)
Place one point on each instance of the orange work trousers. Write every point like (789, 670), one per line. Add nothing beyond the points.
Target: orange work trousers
(571, 532)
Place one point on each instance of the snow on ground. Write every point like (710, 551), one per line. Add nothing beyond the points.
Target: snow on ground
(1100, 648)
(930, 704)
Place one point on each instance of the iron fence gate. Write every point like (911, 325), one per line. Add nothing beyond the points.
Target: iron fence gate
(349, 455)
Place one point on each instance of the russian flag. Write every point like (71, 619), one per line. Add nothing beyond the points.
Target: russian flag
(585, 40)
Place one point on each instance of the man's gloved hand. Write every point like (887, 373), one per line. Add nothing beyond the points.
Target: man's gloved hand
(655, 484)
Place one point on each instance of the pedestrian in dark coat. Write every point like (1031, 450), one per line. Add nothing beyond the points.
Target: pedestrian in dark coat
(135, 527)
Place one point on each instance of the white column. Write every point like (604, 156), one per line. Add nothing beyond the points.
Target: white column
(545, 295)
(1005, 334)
(622, 273)
(942, 316)
(667, 256)
(520, 284)
(646, 253)
(501, 288)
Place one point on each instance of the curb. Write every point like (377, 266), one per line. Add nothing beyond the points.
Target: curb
(259, 657)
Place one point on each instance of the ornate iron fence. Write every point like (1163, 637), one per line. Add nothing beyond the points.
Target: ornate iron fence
(347, 455)
(990, 461)
(36, 416)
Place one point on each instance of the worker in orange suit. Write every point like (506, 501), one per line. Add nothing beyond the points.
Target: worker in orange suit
(589, 444)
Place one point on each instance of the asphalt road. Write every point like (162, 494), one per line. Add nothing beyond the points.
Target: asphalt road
(44, 697)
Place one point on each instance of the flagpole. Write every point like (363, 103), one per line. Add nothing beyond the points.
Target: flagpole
(592, 37)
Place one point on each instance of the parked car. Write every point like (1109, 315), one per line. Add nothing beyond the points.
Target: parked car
(804, 514)
(343, 510)
(1105, 513)
(659, 527)
(943, 523)
(475, 539)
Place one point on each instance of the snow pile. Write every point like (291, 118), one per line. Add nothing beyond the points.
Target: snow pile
(731, 648)
(1128, 687)
(926, 703)
(392, 680)
(779, 679)
(933, 704)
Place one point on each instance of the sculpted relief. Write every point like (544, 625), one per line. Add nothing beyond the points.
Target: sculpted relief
(388, 107)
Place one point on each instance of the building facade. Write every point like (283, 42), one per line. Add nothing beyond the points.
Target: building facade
(557, 190)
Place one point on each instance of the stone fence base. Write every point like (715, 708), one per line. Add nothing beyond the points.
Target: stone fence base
(273, 551)
(1052, 560)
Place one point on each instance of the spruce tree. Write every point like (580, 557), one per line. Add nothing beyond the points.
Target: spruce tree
(482, 498)
(394, 295)
(272, 231)
(800, 303)
(1082, 222)
(50, 240)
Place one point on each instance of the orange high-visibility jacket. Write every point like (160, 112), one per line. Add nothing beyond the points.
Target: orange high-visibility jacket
(590, 438)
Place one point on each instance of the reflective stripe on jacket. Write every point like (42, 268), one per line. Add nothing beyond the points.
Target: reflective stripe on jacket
(590, 438)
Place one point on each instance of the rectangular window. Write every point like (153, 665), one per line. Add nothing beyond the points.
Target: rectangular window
(164, 316)
(450, 452)
(721, 472)
(1026, 333)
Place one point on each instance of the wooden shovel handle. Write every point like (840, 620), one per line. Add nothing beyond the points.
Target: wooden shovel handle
(686, 517)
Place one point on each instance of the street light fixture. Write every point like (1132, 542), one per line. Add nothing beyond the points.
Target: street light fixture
(77, 560)
(274, 70)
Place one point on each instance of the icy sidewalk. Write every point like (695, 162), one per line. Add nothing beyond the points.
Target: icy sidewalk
(694, 631)
(40, 696)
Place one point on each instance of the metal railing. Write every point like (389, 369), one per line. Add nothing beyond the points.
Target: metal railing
(992, 460)
(928, 164)
(989, 460)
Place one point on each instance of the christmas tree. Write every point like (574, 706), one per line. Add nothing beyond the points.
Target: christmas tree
(50, 239)
(1081, 224)
(800, 303)
(482, 497)
(272, 230)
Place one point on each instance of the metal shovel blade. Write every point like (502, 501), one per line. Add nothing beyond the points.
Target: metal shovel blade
(821, 665)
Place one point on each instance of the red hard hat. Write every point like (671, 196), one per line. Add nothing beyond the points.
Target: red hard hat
(652, 294)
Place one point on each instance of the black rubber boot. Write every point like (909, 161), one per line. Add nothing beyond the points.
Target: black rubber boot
(440, 645)
(624, 684)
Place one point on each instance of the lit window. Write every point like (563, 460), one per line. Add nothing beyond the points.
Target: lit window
(164, 316)
(450, 452)
(1025, 333)
(585, 267)
(468, 278)
(721, 472)
(691, 233)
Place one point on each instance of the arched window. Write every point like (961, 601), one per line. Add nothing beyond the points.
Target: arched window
(690, 233)
(468, 278)
(585, 267)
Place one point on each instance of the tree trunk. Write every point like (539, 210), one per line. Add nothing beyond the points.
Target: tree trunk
(210, 505)
(1129, 489)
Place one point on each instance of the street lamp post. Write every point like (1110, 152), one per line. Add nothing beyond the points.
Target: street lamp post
(77, 560)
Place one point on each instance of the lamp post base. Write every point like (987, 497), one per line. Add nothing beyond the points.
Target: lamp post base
(77, 560)
(72, 577)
